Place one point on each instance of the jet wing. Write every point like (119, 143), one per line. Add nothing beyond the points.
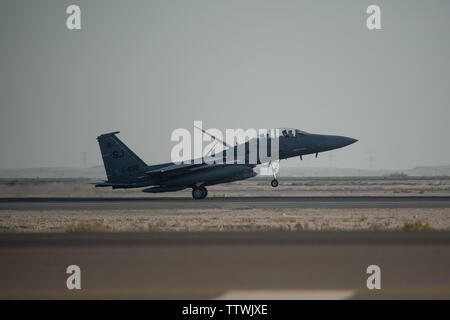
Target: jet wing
(174, 169)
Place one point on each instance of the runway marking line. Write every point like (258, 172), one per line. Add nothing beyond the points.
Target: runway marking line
(223, 294)
(286, 295)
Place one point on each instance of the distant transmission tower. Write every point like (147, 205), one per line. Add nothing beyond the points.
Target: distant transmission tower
(84, 159)
(371, 158)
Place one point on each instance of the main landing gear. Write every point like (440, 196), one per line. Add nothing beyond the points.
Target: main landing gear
(274, 183)
(199, 193)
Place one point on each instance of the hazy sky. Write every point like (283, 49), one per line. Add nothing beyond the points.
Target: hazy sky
(148, 67)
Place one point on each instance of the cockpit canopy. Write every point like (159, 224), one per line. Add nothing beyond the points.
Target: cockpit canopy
(291, 132)
(284, 132)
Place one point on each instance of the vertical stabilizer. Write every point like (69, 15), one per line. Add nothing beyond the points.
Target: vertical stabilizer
(121, 164)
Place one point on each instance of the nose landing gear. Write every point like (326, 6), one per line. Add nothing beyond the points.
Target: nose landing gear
(199, 193)
(274, 167)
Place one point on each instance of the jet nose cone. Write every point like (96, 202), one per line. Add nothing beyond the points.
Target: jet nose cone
(348, 140)
(335, 142)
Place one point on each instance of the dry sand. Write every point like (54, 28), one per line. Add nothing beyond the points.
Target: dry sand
(223, 219)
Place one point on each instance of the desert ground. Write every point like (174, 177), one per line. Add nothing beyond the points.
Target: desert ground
(232, 219)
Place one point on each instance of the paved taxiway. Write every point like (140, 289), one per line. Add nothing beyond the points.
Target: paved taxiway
(230, 265)
(222, 203)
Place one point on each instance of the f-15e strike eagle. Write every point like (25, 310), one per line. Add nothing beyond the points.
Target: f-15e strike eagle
(124, 169)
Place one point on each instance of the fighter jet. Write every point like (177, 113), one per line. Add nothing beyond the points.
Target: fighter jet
(124, 169)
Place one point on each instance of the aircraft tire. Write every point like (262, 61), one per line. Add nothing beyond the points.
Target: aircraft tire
(205, 192)
(198, 193)
(274, 183)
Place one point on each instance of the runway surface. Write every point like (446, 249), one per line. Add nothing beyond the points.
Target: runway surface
(222, 203)
(291, 265)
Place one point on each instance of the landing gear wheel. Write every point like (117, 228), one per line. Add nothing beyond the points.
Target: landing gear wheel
(274, 183)
(205, 192)
(199, 193)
